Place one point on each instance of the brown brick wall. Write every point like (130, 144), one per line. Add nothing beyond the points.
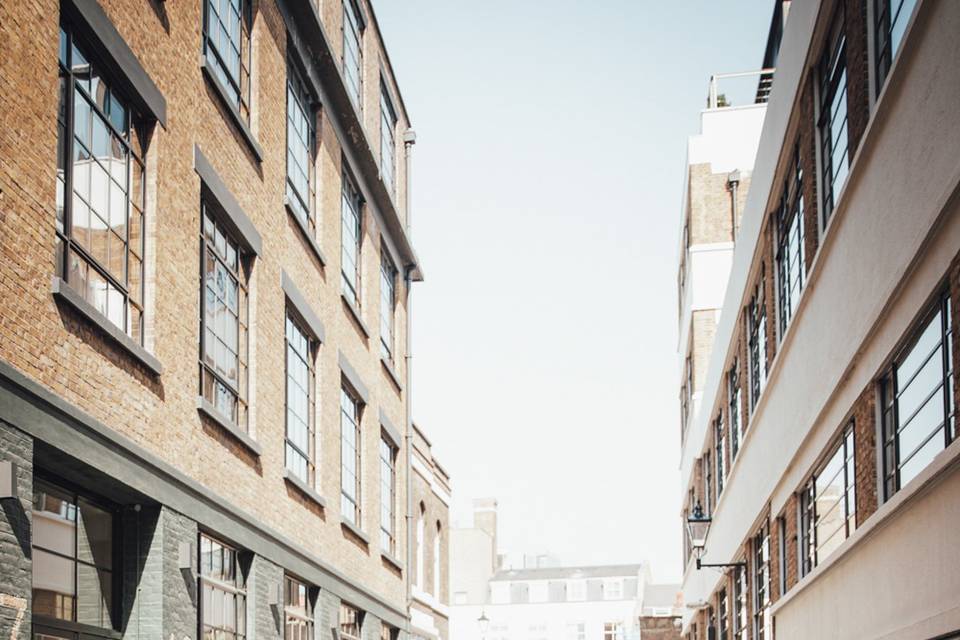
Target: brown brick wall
(658, 628)
(709, 204)
(865, 453)
(807, 145)
(858, 70)
(704, 327)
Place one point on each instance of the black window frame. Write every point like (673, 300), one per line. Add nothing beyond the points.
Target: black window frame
(886, 23)
(761, 582)
(351, 202)
(719, 434)
(388, 123)
(292, 615)
(741, 621)
(791, 264)
(239, 590)
(356, 500)
(355, 26)
(388, 452)
(735, 409)
(833, 81)
(757, 339)
(237, 89)
(308, 357)
(388, 305)
(300, 98)
(723, 615)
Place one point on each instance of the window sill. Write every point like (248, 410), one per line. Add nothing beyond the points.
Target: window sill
(304, 488)
(64, 292)
(210, 411)
(305, 232)
(391, 373)
(77, 627)
(355, 314)
(355, 531)
(391, 560)
(231, 109)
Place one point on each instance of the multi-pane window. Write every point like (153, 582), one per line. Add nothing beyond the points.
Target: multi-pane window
(74, 558)
(223, 320)
(297, 611)
(686, 393)
(707, 484)
(719, 451)
(740, 603)
(223, 603)
(350, 409)
(790, 239)
(100, 190)
(351, 621)
(782, 553)
(757, 342)
(353, 52)
(761, 584)
(832, 125)
(892, 17)
(226, 47)
(613, 631)
(733, 400)
(350, 207)
(388, 304)
(388, 493)
(301, 133)
(388, 141)
(919, 417)
(723, 616)
(300, 441)
(386, 633)
(436, 561)
(828, 511)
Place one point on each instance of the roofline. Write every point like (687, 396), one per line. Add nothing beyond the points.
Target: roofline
(386, 59)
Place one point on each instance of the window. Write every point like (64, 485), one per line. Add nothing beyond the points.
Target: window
(613, 631)
(73, 554)
(350, 240)
(301, 133)
(223, 607)
(892, 17)
(719, 444)
(388, 142)
(100, 190)
(223, 321)
(298, 611)
(388, 492)
(707, 484)
(436, 562)
(300, 442)
(832, 124)
(388, 301)
(421, 527)
(733, 398)
(350, 410)
(790, 239)
(723, 616)
(782, 554)
(761, 583)
(351, 621)
(226, 47)
(612, 589)
(576, 590)
(919, 417)
(686, 393)
(740, 603)
(828, 505)
(757, 343)
(353, 52)
(387, 632)
(576, 631)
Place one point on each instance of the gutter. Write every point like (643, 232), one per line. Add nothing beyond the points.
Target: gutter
(410, 273)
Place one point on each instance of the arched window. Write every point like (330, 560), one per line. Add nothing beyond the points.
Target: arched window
(420, 531)
(436, 563)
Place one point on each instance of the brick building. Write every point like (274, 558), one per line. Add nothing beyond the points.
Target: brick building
(205, 272)
(818, 393)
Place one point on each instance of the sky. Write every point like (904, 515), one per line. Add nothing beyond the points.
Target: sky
(547, 178)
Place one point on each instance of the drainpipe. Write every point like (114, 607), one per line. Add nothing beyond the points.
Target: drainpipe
(409, 139)
(733, 181)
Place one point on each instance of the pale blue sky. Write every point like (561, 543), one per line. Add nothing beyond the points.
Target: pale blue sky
(547, 189)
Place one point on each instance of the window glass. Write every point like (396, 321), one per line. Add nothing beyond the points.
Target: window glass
(388, 296)
(353, 52)
(300, 441)
(828, 505)
(226, 47)
(388, 143)
(733, 400)
(388, 479)
(301, 120)
(892, 17)
(351, 620)
(298, 610)
(832, 125)
(223, 591)
(350, 241)
(349, 457)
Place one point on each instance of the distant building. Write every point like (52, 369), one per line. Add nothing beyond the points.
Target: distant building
(532, 597)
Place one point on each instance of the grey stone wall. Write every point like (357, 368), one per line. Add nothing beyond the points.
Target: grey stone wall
(180, 596)
(264, 586)
(327, 614)
(16, 575)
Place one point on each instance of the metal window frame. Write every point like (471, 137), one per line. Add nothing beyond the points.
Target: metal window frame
(245, 56)
(307, 619)
(358, 405)
(350, 195)
(761, 580)
(298, 90)
(238, 592)
(312, 347)
(830, 67)
(392, 464)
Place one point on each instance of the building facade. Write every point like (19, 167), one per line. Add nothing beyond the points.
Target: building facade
(205, 273)
(822, 446)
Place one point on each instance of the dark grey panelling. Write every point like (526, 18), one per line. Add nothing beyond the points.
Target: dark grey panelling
(234, 216)
(122, 65)
(302, 308)
(353, 378)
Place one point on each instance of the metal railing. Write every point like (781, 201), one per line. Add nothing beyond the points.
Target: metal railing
(715, 99)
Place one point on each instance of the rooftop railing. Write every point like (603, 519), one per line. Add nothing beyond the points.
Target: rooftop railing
(717, 98)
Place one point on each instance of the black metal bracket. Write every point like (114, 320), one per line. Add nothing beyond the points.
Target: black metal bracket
(741, 565)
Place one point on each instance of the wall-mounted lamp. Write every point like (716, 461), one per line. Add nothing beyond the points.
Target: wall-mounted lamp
(275, 599)
(8, 480)
(698, 526)
(185, 554)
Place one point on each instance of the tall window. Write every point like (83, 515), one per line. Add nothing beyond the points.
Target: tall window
(297, 611)
(707, 484)
(719, 445)
(832, 124)
(892, 17)
(388, 304)
(388, 142)
(421, 527)
(301, 125)
(790, 239)
(436, 562)
(733, 399)
(782, 554)
(828, 505)
(100, 190)
(740, 603)
(919, 418)
(73, 555)
(350, 237)
(300, 443)
(226, 47)
(223, 605)
(686, 393)
(388, 494)
(353, 52)
(757, 343)
(386, 633)
(351, 622)
(723, 616)
(761, 583)
(350, 409)
(223, 320)
(613, 631)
